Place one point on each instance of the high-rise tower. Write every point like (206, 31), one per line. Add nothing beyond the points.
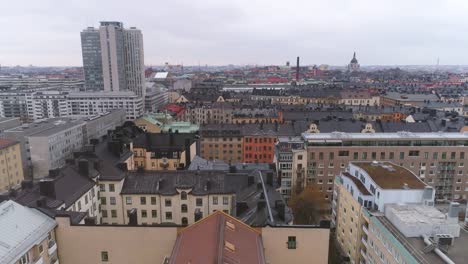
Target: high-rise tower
(113, 58)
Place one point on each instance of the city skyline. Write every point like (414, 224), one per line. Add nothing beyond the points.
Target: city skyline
(243, 33)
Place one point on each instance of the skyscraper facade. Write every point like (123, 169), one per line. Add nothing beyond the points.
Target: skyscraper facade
(113, 58)
(92, 60)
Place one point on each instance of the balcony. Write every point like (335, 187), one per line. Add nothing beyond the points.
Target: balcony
(364, 228)
(364, 254)
(364, 242)
(39, 261)
(52, 247)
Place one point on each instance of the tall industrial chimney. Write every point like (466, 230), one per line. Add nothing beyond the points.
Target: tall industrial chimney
(297, 70)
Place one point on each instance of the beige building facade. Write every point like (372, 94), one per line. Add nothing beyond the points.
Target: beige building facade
(439, 159)
(11, 166)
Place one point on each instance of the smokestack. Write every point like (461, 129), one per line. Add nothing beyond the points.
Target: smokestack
(297, 69)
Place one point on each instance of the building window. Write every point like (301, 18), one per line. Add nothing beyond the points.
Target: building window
(154, 213)
(104, 213)
(168, 215)
(112, 200)
(153, 200)
(104, 256)
(215, 200)
(183, 208)
(143, 200)
(144, 214)
(225, 200)
(111, 187)
(102, 187)
(168, 202)
(103, 200)
(199, 201)
(41, 248)
(291, 242)
(183, 196)
(113, 213)
(128, 200)
(184, 221)
(402, 155)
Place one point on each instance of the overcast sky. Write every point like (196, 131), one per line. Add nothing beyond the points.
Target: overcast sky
(219, 32)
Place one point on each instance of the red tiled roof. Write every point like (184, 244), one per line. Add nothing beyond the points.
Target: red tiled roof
(4, 143)
(218, 238)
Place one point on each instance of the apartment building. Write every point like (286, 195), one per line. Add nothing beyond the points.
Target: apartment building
(223, 143)
(161, 151)
(48, 147)
(384, 213)
(96, 127)
(216, 236)
(437, 158)
(28, 236)
(11, 166)
(155, 98)
(71, 189)
(36, 105)
(92, 103)
(113, 58)
(359, 98)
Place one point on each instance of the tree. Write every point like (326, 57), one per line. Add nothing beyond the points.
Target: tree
(308, 205)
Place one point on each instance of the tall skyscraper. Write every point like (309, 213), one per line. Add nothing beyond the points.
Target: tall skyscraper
(92, 60)
(113, 58)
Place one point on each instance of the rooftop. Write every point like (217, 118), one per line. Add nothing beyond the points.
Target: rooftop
(390, 176)
(46, 127)
(387, 136)
(218, 238)
(358, 183)
(21, 228)
(4, 143)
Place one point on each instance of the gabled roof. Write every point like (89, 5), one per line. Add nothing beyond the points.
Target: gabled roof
(20, 228)
(218, 238)
(69, 186)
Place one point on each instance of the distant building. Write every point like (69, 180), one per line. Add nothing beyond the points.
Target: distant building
(11, 166)
(156, 97)
(113, 58)
(354, 64)
(164, 151)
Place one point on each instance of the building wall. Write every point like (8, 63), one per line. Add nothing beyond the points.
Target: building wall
(35, 255)
(50, 152)
(323, 166)
(97, 127)
(123, 244)
(175, 209)
(89, 203)
(11, 167)
(312, 245)
(228, 148)
(348, 223)
(111, 213)
(259, 149)
(144, 160)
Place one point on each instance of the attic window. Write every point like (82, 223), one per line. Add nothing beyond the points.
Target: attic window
(230, 226)
(229, 246)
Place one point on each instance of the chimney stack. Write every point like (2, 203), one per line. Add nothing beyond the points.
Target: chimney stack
(47, 188)
(297, 70)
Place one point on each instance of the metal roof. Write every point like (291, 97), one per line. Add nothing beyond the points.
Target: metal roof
(397, 135)
(21, 228)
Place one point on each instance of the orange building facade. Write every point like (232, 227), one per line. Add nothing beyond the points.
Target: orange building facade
(259, 149)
